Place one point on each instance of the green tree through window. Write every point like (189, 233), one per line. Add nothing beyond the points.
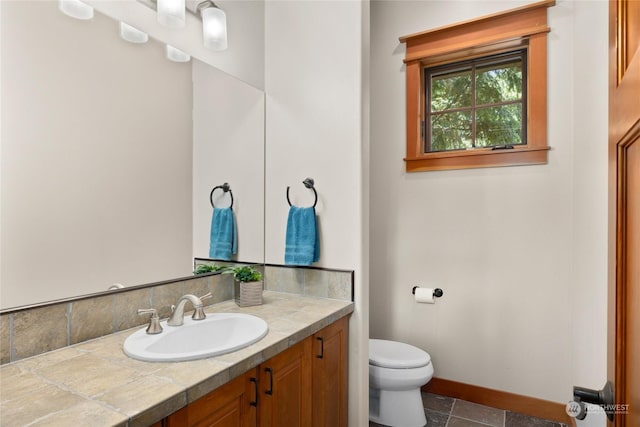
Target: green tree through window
(476, 103)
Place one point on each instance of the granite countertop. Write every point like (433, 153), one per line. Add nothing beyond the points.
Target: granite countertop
(95, 384)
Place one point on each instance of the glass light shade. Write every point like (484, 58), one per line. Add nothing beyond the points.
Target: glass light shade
(171, 13)
(75, 9)
(133, 35)
(214, 28)
(176, 55)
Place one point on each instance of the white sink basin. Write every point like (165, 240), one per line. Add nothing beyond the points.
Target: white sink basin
(218, 334)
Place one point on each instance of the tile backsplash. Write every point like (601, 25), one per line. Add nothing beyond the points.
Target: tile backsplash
(37, 330)
(314, 282)
(31, 331)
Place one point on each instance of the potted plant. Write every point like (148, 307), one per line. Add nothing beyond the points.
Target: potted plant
(209, 268)
(247, 285)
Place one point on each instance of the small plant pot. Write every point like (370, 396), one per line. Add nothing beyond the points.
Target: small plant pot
(247, 294)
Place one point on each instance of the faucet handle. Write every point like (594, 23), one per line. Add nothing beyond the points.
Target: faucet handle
(198, 312)
(154, 323)
(206, 296)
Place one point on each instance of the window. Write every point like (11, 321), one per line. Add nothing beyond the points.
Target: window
(476, 103)
(476, 92)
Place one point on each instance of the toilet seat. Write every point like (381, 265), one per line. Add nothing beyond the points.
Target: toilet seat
(396, 355)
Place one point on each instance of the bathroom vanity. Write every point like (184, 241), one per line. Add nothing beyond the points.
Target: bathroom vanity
(276, 393)
(295, 375)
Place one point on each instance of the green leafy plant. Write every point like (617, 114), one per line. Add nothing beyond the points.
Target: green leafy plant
(245, 274)
(209, 268)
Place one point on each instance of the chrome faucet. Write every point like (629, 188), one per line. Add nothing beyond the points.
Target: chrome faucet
(177, 315)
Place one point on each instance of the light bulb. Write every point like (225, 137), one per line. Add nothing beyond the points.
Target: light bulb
(176, 55)
(132, 34)
(75, 9)
(171, 13)
(214, 28)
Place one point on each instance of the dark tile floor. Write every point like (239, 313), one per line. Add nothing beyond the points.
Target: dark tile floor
(442, 411)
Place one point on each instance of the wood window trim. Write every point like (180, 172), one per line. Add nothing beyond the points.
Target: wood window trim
(521, 27)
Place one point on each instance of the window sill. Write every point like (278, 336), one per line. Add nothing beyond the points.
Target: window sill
(478, 158)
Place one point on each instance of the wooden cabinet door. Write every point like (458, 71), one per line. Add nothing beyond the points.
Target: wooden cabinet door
(232, 405)
(330, 375)
(624, 210)
(285, 388)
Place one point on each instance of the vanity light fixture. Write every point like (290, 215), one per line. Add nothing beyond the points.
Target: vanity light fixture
(176, 55)
(75, 9)
(132, 34)
(214, 26)
(171, 13)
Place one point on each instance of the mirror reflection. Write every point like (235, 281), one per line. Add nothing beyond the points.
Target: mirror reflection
(109, 154)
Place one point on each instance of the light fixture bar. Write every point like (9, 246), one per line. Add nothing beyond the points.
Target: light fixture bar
(214, 20)
(191, 6)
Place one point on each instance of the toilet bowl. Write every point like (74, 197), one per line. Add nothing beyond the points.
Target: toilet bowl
(396, 373)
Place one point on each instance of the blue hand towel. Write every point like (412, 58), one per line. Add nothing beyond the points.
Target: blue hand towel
(224, 234)
(302, 243)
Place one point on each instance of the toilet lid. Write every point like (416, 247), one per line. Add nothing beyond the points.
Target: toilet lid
(393, 354)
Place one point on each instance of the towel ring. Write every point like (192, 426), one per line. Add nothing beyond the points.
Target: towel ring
(309, 183)
(225, 187)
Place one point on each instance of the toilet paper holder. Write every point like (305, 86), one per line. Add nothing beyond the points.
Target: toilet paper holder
(437, 292)
(605, 398)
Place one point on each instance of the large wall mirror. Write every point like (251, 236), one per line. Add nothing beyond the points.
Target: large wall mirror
(109, 152)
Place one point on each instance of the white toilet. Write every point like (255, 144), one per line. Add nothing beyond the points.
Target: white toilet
(396, 373)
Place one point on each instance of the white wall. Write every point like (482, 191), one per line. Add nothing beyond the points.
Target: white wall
(96, 157)
(228, 146)
(588, 290)
(514, 249)
(314, 128)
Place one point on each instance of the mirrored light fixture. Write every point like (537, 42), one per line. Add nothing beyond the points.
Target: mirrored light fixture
(171, 13)
(75, 9)
(132, 34)
(176, 55)
(214, 26)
